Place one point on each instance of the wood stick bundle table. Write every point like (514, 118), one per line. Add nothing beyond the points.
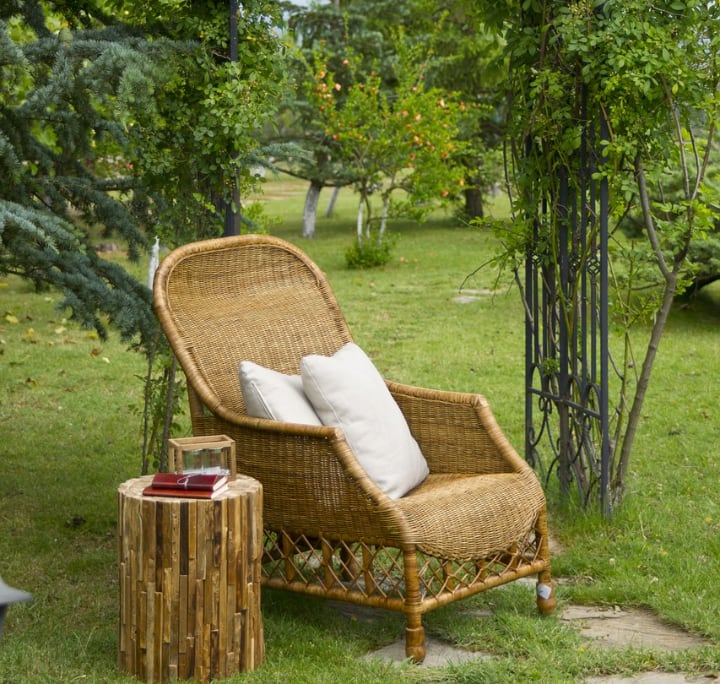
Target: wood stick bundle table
(189, 572)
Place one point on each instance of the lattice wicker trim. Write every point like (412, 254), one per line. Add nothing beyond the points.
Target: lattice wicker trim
(374, 574)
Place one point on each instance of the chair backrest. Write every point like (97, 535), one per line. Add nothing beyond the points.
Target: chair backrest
(250, 297)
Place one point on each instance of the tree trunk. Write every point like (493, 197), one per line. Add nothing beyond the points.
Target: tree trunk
(331, 203)
(617, 485)
(360, 217)
(232, 212)
(310, 210)
(383, 218)
(474, 203)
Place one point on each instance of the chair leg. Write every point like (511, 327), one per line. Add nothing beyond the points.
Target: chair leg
(545, 588)
(415, 638)
(545, 594)
(414, 630)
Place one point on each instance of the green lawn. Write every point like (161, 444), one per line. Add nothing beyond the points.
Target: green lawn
(70, 433)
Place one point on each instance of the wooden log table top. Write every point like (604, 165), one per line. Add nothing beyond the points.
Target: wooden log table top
(189, 572)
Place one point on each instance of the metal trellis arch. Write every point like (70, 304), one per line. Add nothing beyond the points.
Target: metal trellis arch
(566, 333)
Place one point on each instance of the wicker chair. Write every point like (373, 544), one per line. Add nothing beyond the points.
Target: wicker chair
(476, 522)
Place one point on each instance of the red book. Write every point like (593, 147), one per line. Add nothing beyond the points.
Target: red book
(184, 493)
(194, 481)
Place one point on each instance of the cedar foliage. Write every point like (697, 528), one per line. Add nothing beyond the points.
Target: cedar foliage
(123, 129)
(58, 143)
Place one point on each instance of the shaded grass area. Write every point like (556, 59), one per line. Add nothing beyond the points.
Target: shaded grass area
(70, 435)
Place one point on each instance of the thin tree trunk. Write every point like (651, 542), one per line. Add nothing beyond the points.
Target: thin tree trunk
(360, 218)
(671, 279)
(670, 275)
(232, 211)
(169, 407)
(331, 203)
(383, 218)
(147, 407)
(618, 483)
(310, 209)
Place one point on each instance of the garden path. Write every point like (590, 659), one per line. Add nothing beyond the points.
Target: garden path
(602, 627)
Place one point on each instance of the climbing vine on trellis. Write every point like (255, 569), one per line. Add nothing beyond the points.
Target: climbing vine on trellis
(613, 109)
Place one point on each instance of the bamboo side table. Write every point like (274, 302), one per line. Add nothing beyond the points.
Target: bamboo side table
(189, 572)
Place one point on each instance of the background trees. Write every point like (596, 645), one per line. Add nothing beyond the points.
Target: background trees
(468, 58)
(299, 145)
(405, 140)
(452, 54)
(138, 117)
(193, 139)
(130, 120)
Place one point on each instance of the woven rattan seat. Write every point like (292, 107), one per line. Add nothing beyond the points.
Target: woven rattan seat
(477, 521)
(444, 516)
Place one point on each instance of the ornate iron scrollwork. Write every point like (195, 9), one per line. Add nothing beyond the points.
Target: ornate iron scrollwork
(566, 304)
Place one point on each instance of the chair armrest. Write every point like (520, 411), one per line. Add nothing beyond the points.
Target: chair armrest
(457, 431)
(312, 482)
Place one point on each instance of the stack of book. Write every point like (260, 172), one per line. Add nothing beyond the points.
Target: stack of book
(187, 485)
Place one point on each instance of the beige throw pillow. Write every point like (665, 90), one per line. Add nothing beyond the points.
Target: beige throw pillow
(276, 396)
(346, 390)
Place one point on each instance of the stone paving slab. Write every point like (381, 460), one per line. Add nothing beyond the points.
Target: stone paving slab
(438, 654)
(619, 628)
(653, 678)
(603, 627)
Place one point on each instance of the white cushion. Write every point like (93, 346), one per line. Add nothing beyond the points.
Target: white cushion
(273, 395)
(347, 391)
